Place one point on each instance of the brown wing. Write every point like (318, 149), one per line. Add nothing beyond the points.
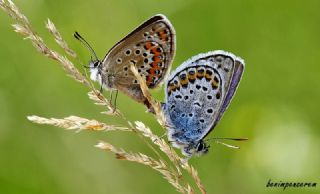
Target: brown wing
(151, 47)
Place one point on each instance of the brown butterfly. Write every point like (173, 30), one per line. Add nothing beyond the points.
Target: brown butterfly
(150, 47)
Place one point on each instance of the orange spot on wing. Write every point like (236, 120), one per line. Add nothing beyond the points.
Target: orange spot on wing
(214, 84)
(162, 35)
(207, 76)
(192, 77)
(148, 45)
(149, 80)
(184, 82)
(155, 51)
(200, 74)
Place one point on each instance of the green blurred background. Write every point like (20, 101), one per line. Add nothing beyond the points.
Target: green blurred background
(276, 106)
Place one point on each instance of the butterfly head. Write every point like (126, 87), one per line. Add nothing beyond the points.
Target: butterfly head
(95, 67)
(202, 148)
(197, 149)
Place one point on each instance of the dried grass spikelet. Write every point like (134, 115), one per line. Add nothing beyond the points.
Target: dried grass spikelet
(173, 175)
(58, 38)
(77, 123)
(164, 147)
(100, 100)
(194, 174)
(24, 27)
(157, 165)
(162, 144)
(155, 105)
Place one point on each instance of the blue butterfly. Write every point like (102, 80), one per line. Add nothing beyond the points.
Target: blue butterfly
(197, 94)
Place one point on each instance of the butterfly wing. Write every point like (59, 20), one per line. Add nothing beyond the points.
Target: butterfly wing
(150, 47)
(198, 93)
(232, 81)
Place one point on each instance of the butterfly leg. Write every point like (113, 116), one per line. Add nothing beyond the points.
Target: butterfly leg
(162, 136)
(101, 89)
(111, 97)
(115, 100)
(113, 103)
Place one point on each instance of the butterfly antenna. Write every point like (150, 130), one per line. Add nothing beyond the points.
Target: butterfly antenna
(227, 145)
(85, 43)
(216, 140)
(226, 138)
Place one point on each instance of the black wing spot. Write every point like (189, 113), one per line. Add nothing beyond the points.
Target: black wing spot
(218, 95)
(190, 114)
(198, 87)
(138, 51)
(201, 120)
(183, 76)
(209, 72)
(191, 72)
(216, 79)
(209, 111)
(186, 97)
(191, 91)
(201, 71)
(192, 81)
(209, 97)
(178, 96)
(204, 88)
(197, 104)
(128, 52)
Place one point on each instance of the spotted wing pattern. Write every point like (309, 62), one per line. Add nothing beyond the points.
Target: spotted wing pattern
(151, 48)
(198, 93)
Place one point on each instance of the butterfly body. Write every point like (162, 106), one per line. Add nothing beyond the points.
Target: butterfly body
(151, 48)
(197, 94)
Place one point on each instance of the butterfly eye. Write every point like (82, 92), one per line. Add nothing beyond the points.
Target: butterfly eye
(200, 147)
(96, 64)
